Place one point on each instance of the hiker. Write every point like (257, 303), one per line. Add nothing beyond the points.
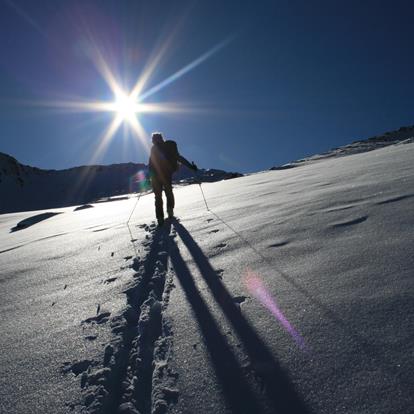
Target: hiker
(162, 164)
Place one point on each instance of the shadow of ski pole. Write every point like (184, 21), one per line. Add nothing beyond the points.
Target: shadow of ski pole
(278, 387)
(236, 389)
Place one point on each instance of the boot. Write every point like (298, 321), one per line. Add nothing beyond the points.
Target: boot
(170, 212)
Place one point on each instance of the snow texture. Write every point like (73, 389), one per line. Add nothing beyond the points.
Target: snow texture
(292, 293)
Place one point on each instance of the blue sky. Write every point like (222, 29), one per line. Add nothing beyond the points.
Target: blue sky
(296, 77)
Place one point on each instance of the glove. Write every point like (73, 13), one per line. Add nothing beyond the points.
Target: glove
(194, 167)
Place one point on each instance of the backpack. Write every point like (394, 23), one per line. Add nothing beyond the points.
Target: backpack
(170, 152)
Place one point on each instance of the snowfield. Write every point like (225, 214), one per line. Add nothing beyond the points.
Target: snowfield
(293, 293)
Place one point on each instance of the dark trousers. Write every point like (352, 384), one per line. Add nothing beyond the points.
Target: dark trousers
(158, 185)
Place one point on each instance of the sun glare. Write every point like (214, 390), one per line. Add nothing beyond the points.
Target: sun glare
(125, 106)
(129, 106)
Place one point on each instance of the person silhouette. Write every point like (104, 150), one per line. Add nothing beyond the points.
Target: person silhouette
(163, 162)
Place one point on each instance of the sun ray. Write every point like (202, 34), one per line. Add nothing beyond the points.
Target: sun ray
(155, 60)
(140, 133)
(98, 60)
(106, 138)
(87, 175)
(26, 17)
(106, 73)
(186, 69)
(127, 105)
(147, 73)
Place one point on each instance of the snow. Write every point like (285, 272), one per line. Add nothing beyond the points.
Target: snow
(403, 135)
(293, 293)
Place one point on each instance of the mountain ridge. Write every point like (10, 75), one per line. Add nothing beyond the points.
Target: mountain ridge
(23, 187)
(403, 134)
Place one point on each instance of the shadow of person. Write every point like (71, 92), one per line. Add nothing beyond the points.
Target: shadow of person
(236, 391)
(277, 386)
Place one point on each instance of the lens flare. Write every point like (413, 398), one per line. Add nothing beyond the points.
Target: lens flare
(257, 288)
(139, 182)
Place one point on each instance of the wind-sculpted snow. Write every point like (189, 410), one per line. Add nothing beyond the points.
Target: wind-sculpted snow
(32, 221)
(288, 292)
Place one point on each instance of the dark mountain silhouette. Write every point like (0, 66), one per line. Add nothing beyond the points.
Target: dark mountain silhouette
(24, 188)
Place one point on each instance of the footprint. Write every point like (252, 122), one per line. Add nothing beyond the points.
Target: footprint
(220, 273)
(240, 299)
(221, 246)
(214, 231)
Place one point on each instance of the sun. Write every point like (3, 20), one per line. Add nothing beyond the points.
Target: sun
(125, 106)
(128, 106)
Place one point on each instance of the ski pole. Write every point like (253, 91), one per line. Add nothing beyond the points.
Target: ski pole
(202, 192)
(132, 212)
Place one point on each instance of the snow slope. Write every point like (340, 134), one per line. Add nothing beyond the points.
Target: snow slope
(292, 294)
(401, 135)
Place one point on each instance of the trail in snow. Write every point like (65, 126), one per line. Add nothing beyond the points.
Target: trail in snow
(133, 375)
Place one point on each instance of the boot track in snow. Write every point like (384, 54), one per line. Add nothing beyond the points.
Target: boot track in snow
(134, 376)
